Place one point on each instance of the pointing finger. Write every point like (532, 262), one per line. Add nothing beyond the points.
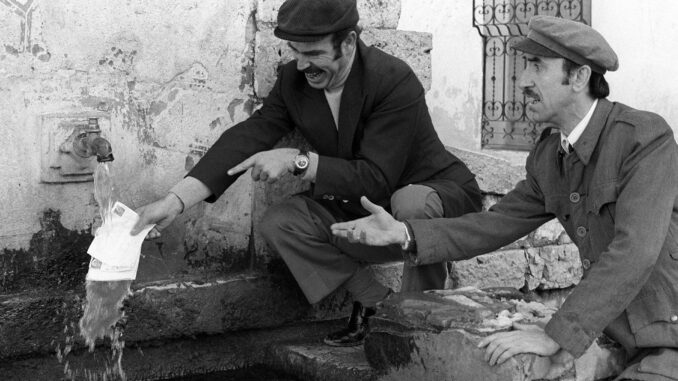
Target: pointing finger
(248, 163)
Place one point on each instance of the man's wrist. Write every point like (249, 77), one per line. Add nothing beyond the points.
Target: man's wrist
(177, 201)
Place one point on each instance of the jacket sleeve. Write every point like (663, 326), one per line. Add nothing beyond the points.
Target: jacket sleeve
(383, 148)
(515, 215)
(647, 185)
(259, 132)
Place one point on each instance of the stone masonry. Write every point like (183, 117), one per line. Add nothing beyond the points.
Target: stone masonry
(434, 336)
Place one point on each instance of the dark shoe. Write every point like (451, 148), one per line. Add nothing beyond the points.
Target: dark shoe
(358, 327)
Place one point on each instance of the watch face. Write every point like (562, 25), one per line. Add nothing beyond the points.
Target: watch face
(301, 162)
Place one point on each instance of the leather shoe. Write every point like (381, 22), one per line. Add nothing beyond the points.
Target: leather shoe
(358, 327)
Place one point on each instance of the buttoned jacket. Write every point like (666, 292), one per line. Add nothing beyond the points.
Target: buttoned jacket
(615, 195)
(384, 141)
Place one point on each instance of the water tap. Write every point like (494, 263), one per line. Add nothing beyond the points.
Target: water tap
(87, 143)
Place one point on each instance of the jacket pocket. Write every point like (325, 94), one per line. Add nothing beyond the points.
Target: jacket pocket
(602, 195)
(651, 318)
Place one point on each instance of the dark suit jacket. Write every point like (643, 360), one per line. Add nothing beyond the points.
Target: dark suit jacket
(617, 197)
(385, 138)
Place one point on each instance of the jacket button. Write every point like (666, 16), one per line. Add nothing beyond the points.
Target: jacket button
(586, 264)
(674, 318)
(581, 231)
(574, 197)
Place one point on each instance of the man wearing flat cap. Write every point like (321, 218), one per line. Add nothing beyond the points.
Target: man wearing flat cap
(365, 116)
(609, 174)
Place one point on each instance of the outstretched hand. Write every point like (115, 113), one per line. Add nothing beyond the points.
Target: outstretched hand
(268, 166)
(161, 213)
(377, 229)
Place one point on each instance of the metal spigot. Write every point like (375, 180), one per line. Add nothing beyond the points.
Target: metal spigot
(86, 144)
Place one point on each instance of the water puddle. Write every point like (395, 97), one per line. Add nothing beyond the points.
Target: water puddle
(103, 315)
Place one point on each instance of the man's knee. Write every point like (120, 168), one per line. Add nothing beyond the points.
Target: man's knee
(416, 201)
(281, 217)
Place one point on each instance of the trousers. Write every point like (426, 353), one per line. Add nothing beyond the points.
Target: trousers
(298, 229)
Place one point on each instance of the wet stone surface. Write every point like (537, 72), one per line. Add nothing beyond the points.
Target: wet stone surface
(434, 336)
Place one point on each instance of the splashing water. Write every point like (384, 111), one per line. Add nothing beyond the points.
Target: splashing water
(103, 315)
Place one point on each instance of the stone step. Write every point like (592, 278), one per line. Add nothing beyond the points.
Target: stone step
(320, 362)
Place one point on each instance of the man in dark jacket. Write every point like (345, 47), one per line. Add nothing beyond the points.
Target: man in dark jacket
(364, 113)
(610, 176)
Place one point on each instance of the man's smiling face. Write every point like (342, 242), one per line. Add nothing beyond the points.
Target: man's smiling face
(324, 66)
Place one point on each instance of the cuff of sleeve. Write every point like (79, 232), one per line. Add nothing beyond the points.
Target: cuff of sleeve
(190, 191)
(569, 335)
(312, 167)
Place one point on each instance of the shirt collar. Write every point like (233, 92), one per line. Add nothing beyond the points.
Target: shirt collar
(578, 129)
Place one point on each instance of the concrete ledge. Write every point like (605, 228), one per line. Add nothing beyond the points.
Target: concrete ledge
(322, 362)
(434, 336)
(167, 359)
(31, 324)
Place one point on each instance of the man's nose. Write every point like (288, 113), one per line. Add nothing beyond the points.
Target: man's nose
(524, 80)
(302, 63)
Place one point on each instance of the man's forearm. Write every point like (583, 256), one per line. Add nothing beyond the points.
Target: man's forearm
(190, 191)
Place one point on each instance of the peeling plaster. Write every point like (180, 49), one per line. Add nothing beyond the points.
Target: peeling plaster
(231, 107)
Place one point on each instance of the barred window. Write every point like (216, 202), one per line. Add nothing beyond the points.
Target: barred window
(501, 23)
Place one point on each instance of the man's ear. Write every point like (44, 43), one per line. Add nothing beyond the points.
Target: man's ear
(580, 78)
(349, 41)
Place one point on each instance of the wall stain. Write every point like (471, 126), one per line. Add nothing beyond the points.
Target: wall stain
(231, 107)
(157, 107)
(216, 123)
(55, 260)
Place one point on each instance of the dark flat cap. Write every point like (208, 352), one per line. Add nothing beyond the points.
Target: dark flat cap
(549, 36)
(311, 20)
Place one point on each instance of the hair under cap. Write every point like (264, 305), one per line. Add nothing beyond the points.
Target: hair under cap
(311, 20)
(550, 36)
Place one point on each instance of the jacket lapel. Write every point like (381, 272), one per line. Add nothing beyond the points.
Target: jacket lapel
(352, 100)
(589, 138)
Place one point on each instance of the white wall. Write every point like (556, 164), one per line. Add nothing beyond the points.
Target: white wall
(455, 98)
(642, 34)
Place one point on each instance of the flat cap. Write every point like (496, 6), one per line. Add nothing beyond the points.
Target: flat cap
(549, 36)
(311, 20)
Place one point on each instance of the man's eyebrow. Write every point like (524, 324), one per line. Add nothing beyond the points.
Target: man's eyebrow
(534, 59)
(308, 52)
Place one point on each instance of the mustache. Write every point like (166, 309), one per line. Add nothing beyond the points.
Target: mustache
(531, 94)
(311, 69)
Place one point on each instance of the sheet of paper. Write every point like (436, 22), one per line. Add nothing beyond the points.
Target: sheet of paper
(113, 244)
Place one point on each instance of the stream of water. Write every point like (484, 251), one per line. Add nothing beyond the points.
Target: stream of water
(103, 316)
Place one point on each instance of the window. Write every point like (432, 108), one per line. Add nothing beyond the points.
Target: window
(502, 23)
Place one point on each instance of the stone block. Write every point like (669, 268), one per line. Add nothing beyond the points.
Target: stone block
(34, 324)
(373, 13)
(499, 269)
(495, 176)
(389, 274)
(548, 234)
(322, 362)
(412, 47)
(405, 343)
(554, 267)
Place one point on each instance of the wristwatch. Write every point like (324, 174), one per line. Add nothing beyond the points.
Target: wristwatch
(301, 163)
